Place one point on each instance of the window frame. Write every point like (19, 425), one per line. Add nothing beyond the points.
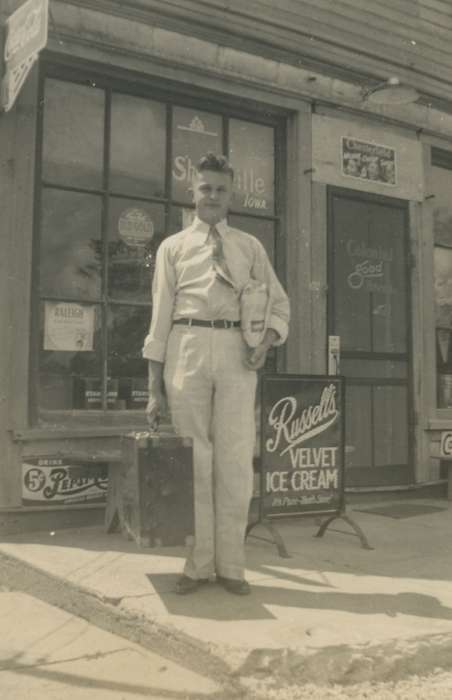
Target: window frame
(170, 96)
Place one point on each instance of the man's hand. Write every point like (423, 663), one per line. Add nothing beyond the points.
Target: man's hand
(156, 408)
(256, 357)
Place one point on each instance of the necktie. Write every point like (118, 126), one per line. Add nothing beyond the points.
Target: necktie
(219, 262)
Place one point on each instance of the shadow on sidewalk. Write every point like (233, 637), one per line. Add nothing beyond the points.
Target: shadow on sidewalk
(213, 603)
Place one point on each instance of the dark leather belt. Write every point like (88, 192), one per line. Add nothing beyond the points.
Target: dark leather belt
(217, 323)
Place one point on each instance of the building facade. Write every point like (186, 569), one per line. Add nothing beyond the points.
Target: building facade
(350, 197)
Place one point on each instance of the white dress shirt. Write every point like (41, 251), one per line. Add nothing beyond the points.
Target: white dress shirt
(185, 284)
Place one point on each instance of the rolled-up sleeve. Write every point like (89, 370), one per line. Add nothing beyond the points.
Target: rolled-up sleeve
(278, 315)
(163, 299)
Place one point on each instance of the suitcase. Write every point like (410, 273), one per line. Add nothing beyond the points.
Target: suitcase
(150, 492)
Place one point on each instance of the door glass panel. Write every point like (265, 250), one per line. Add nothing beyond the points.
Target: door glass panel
(351, 301)
(70, 245)
(358, 426)
(135, 230)
(370, 277)
(137, 163)
(73, 142)
(390, 425)
(388, 298)
(194, 133)
(252, 154)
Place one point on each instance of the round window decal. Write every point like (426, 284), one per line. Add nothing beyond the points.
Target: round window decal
(135, 227)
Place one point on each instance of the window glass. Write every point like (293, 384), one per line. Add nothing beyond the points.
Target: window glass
(69, 354)
(194, 133)
(137, 163)
(252, 154)
(260, 228)
(443, 319)
(127, 328)
(135, 230)
(441, 182)
(70, 245)
(180, 218)
(73, 134)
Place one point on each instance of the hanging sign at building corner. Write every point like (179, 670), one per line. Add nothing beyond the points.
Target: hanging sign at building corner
(26, 32)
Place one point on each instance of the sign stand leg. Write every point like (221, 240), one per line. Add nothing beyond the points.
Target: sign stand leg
(276, 537)
(342, 516)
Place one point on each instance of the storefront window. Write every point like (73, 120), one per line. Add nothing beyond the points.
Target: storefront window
(442, 267)
(114, 184)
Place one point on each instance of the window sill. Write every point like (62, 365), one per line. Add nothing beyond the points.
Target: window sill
(443, 421)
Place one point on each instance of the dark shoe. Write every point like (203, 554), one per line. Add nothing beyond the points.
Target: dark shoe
(189, 585)
(234, 585)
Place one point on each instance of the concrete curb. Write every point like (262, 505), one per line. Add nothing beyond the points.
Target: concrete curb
(105, 613)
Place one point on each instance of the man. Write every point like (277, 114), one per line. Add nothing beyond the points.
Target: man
(196, 347)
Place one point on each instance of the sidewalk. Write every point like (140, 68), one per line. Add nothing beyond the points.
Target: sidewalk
(62, 655)
(330, 596)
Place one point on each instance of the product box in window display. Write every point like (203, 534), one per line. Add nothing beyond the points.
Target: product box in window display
(88, 393)
(137, 397)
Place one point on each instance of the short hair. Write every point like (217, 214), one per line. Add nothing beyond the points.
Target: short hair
(215, 163)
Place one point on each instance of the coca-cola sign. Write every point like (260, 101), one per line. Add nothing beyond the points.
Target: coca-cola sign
(302, 443)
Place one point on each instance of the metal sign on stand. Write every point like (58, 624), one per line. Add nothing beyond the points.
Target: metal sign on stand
(302, 451)
(26, 34)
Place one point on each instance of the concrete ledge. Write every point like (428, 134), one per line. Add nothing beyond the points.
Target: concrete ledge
(16, 521)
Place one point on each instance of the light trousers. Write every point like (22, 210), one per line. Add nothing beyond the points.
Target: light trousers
(211, 396)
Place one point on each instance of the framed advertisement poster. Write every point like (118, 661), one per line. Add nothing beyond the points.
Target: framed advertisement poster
(62, 481)
(368, 161)
(68, 326)
(302, 444)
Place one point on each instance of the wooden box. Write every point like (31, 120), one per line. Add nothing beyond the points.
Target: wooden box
(150, 492)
